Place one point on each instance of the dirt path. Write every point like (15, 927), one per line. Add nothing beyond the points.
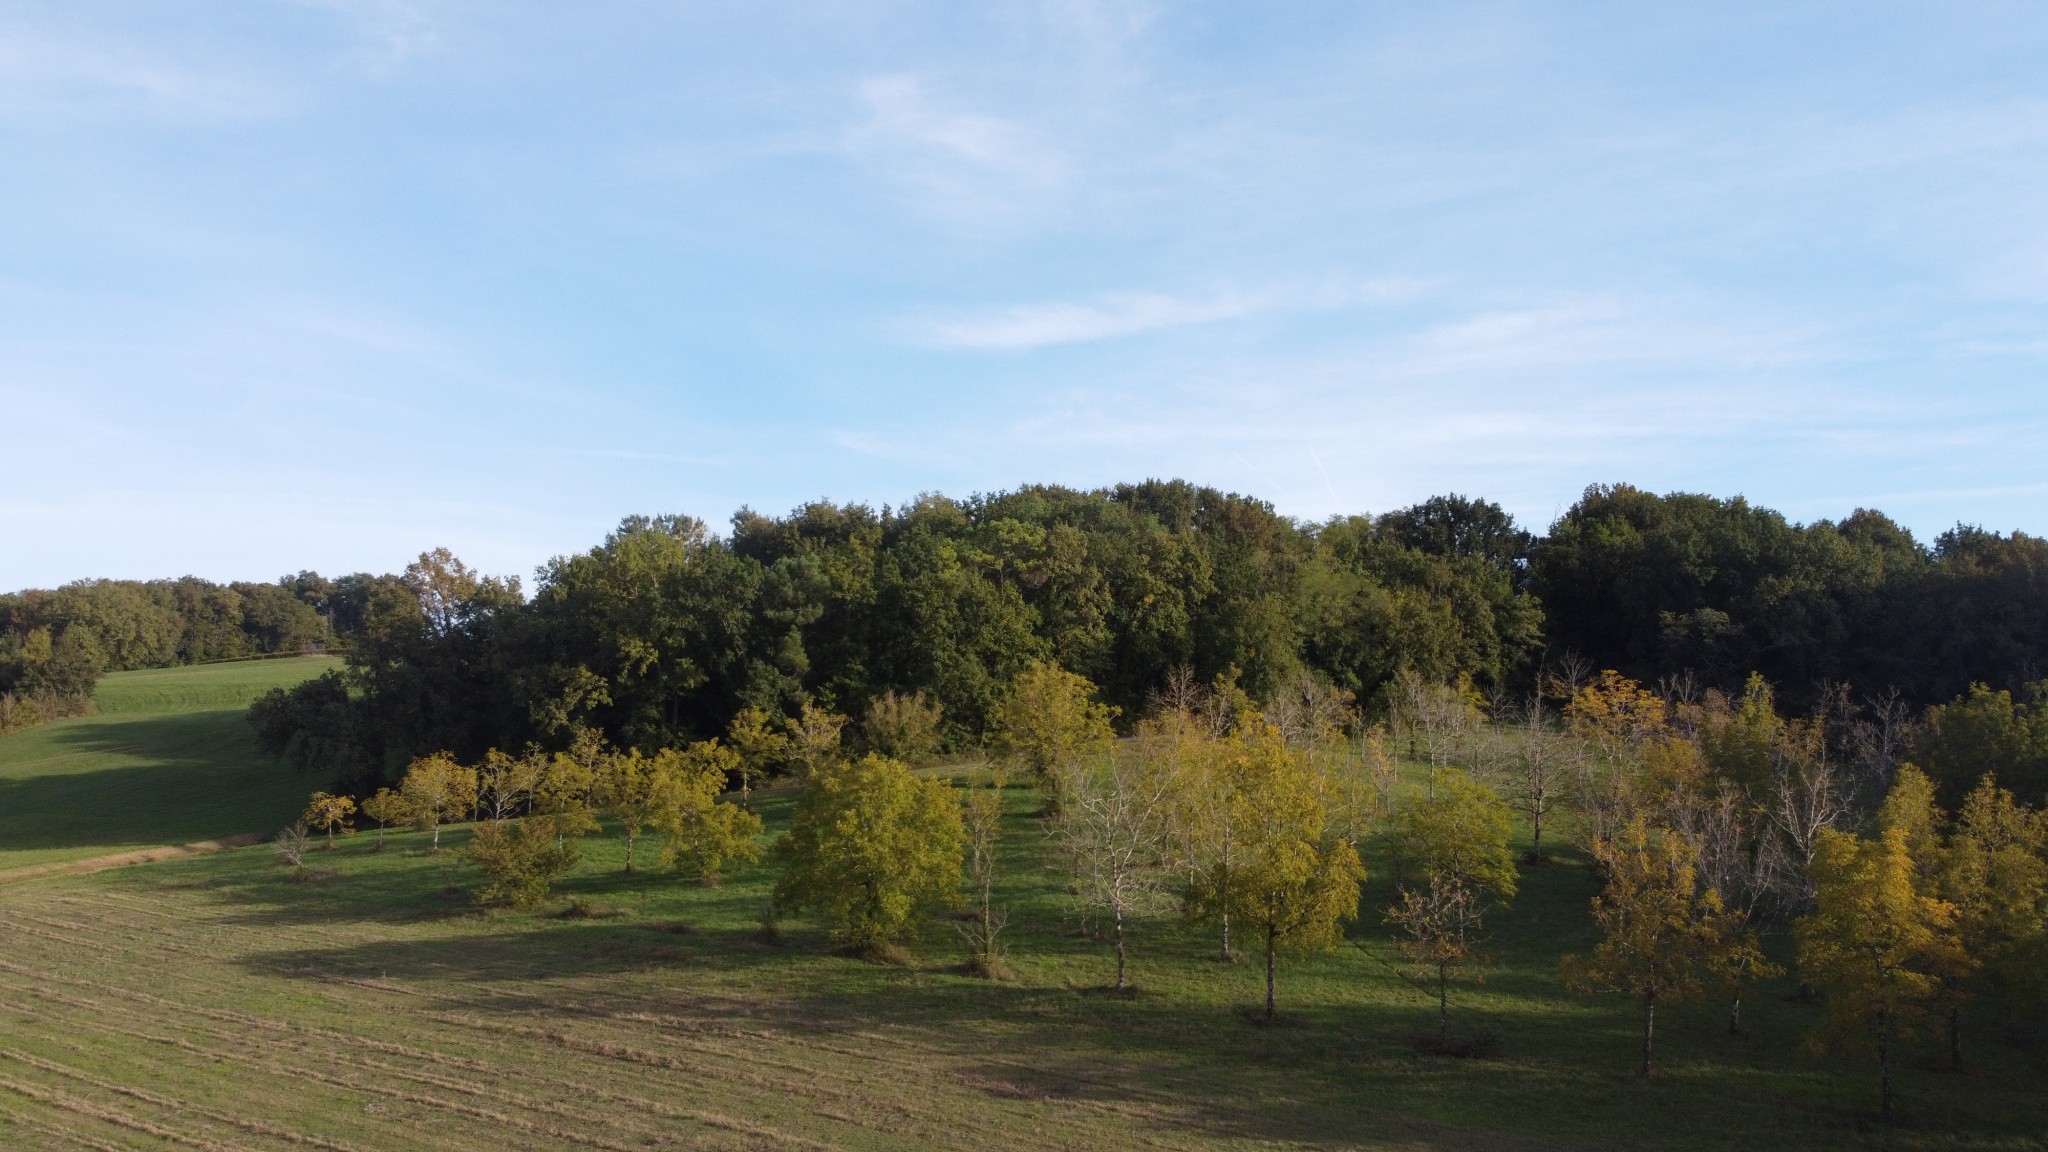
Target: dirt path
(124, 859)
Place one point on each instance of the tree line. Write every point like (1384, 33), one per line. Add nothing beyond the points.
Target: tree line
(664, 631)
(1712, 821)
(56, 644)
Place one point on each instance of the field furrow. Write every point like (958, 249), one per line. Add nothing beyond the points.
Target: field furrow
(860, 1082)
(686, 1074)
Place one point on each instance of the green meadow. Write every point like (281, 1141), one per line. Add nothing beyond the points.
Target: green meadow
(220, 1002)
(167, 758)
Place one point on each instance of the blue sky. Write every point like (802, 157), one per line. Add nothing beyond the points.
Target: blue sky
(323, 284)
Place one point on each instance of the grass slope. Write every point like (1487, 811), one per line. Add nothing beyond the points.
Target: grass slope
(376, 1008)
(168, 758)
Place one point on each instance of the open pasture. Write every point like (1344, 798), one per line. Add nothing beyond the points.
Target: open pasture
(216, 1003)
(167, 758)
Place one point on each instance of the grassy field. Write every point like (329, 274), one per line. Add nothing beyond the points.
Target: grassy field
(167, 759)
(216, 1003)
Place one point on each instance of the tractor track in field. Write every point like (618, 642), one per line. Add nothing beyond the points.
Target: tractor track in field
(497, 1096)
(247, 1124)
(726, 1052)
(1153, 1101)
(897, 1082)
(864, 1097)
(65, 1102)
(126, 859)
(71, 1137)
(267, 1047)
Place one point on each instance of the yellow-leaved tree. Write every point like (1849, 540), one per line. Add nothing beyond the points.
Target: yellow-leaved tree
(1661, 936)
(814, 737)
(1289, 878)
(1875, 945)
(637, 791)
(505, 783)
(567, 788)
(1048, 719)
(760, 746)
(437, 789)
(1998, 864)
(328, 813)
(906, 727)
(705, 831)
(872, 847)
(387, 807)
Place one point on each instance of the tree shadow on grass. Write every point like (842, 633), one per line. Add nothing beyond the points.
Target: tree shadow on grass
(1339, 1073)
(1201, 1068)
(177, 778)
(1344, 1071)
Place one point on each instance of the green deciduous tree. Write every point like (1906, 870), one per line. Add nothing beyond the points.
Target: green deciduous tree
(1985, 732)
(1049, 718)
(704, 831)
(871, 847)
(521, 859)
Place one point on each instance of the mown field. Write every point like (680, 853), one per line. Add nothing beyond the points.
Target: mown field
(215, 1002)
(167, 758)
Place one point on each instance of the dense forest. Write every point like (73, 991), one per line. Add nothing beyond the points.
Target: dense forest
(55, 645)
(663, 631)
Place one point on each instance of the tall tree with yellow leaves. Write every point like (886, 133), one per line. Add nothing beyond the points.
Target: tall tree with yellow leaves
(1995, 872)
(437, 789)
(814, 737)
(387, 807)
(1452, 845)
(1875, 945)
(760, 746)
(637, 791)
(1660, 935)
(505, 783)
(1291, 881)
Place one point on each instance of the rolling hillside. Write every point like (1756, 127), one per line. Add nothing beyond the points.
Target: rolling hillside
(167, 759)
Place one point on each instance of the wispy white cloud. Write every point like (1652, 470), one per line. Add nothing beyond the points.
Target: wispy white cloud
(1121, 314)
(1580, 331)
(48, 76)
(1111, 315)
(963, 163)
